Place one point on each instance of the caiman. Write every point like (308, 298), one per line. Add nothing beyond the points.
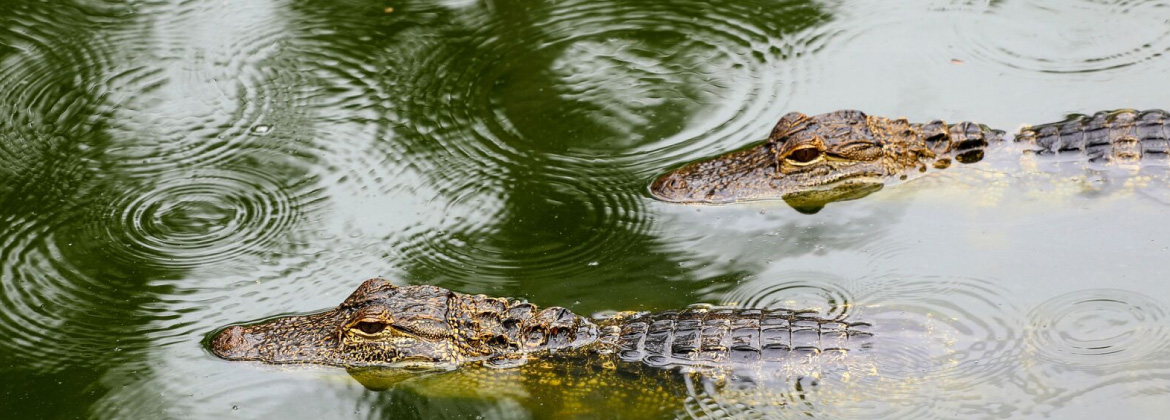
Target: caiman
(842, 155)
(429, 327)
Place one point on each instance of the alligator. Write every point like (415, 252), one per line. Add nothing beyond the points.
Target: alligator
(842, 155)
(423, 327)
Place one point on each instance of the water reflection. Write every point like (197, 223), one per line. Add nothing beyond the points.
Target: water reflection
(572, 80)
(45, 190)
(933, 336)
(1097, 345)
(198, 218)
(1098, 328)
(172, 167)
(529, 141)
(108, 212)
(68, 313)
(805, 290)
(1054, 46)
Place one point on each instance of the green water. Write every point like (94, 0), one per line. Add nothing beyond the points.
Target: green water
(170, 167)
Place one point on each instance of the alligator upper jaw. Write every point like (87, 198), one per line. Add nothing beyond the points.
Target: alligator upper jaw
(233, 343)
(751, 175)
(283, 340)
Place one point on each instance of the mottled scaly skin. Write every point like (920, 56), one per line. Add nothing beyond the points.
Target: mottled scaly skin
(1114, 136)
(705, 337)
(809, 161)
(822, 153)
(382, 325)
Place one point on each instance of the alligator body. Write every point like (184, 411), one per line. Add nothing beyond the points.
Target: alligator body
(810, 161)
(382, 325)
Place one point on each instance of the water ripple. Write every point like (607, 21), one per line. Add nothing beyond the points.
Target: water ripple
(190, 102)
(602, 229)
(51, 116)
(1098, 328)
(49, 293)
(671, 77)
(1096, 346)
(797, 291)
(206, 217)
(974, 316)
(1070, 37)
(933, 337)
(640, 85)
(939, 336)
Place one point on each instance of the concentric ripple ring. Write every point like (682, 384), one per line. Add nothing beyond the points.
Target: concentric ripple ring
(1098, 327)
(1092, 36)
(207, 217)
(806, 291)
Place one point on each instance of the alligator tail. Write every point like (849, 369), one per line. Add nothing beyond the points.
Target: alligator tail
(699, 336)
(1120, 135)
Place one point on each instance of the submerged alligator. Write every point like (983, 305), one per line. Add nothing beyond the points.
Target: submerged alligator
(428, 327)
(810, 161)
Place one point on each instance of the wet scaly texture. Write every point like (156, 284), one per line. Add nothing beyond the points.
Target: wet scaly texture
(844, 155)
(384, 325)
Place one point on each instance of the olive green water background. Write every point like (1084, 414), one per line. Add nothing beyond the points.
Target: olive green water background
(170, 167)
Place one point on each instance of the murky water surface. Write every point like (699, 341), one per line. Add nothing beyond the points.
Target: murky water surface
(170, 167)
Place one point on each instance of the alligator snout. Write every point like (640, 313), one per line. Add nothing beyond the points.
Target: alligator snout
(232, 343)
(670, 187)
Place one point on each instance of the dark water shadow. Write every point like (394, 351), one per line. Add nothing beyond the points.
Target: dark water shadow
(69, 312)
(107, 218)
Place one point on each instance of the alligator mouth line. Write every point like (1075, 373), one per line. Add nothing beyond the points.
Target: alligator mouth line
(418, 363)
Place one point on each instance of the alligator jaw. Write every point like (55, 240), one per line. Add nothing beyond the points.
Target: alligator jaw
(233, 343)
(284, 340)
(811, 161)
(407, 327)
(751, 175)
(724, 179)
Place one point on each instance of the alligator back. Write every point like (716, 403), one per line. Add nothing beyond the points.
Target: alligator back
(1124, 135)
(719, 337)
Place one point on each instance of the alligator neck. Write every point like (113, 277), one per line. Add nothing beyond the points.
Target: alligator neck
(504, 333)
(938, 145)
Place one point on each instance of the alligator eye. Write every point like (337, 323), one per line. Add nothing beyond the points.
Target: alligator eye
(803, 155)
(370, 327)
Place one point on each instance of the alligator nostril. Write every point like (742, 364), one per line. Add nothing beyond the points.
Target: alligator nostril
(668, 187)
(229, 342)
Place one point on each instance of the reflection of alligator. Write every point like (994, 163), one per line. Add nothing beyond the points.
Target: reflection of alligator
(430, 327)
(809, 161)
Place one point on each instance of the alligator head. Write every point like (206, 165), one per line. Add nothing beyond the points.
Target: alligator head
(810, 161)
(383, 325)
